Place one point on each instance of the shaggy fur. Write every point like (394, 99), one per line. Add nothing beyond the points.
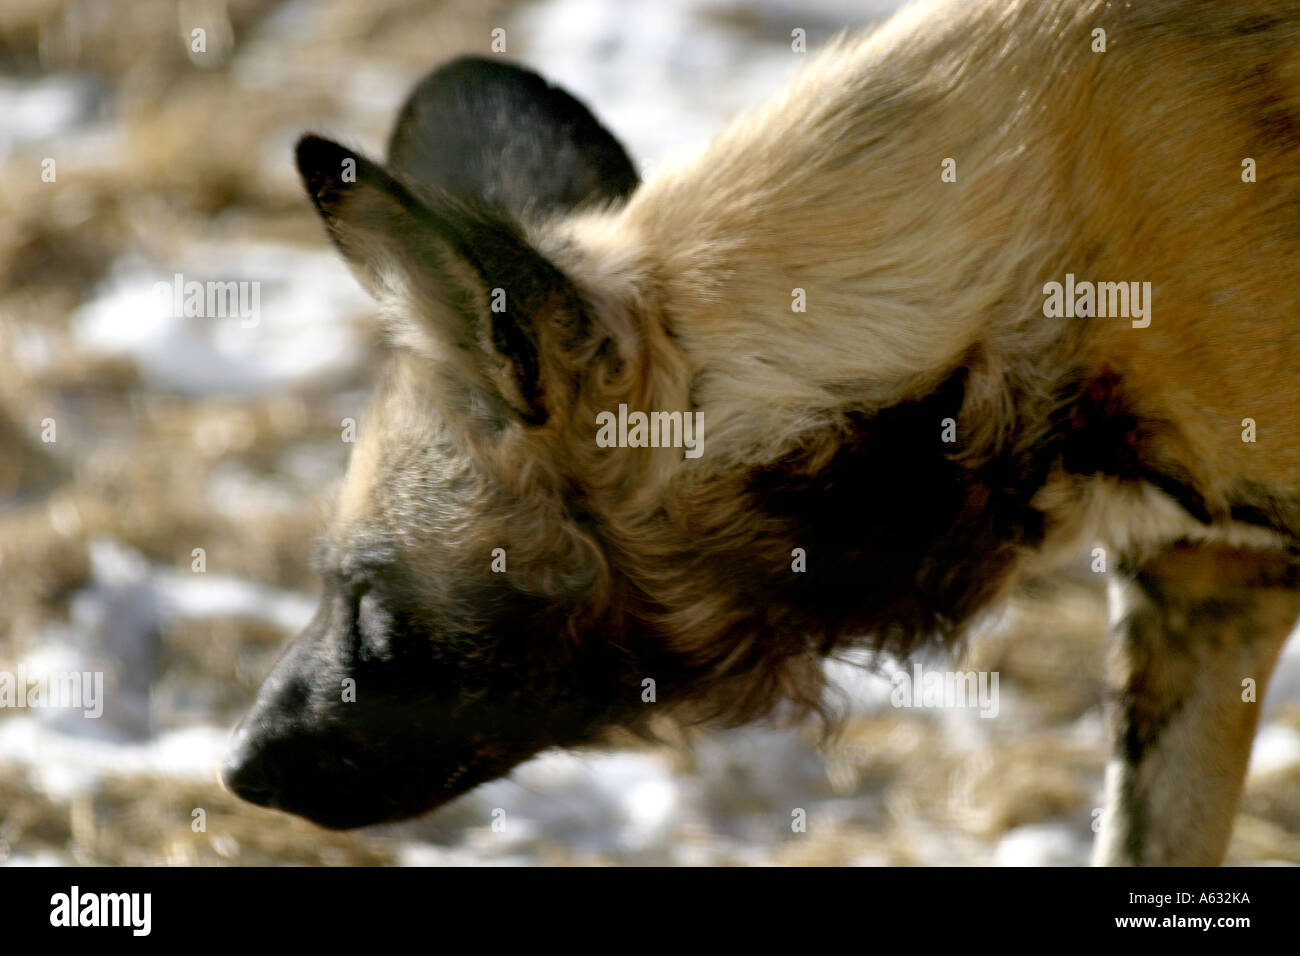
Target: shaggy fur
(824, 427)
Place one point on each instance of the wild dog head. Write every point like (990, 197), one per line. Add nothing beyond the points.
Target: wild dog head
(496, 583)
(458, 633)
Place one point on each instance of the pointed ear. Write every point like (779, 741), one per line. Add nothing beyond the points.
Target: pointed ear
(459, 282)
(481, 127)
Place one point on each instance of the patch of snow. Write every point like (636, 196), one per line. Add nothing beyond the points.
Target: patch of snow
(1043, 844)
(1276, 747)
(66, 766)
(39, 109)
(303, 328)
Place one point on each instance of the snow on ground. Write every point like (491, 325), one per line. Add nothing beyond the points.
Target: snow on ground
(666, 74)
(39, 111)
(293, 319)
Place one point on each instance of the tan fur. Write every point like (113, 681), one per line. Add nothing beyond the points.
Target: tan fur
(1068, 160)
(1123, 165)
(1116, 166)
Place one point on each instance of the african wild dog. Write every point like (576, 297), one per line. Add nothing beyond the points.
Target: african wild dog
(532, 284)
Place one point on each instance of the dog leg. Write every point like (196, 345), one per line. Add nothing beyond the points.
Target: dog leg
(1198, 629)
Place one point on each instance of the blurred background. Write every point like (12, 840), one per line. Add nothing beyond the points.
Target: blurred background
(162, 478)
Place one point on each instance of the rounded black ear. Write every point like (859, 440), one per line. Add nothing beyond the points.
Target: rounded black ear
(499, 133)
(461, 281)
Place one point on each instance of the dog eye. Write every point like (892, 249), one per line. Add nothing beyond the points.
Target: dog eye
(374, 627)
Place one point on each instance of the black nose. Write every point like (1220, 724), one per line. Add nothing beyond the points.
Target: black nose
(247, 774)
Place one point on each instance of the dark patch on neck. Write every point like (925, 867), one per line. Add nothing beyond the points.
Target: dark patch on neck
(1104, 435)
(904, 544)
(1253, 504)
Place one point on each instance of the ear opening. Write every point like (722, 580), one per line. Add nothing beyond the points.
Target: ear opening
(372, 219)
(458, 279)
